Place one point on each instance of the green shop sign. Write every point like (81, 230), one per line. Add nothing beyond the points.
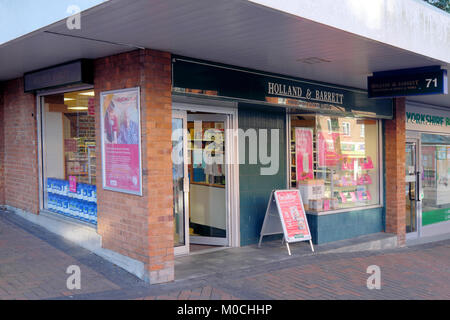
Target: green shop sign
(435, 216)
(197, 77)
(427, 119)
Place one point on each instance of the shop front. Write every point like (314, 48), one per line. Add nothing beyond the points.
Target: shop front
(427, 170)
(281, 133)
(190, 161)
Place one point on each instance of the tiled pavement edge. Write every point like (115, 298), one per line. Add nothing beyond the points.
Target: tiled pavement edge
(420, 272)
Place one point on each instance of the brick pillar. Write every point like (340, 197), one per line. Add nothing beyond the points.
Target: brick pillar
(395, 142)
(141, 227)
(157, 98)
(20, 167)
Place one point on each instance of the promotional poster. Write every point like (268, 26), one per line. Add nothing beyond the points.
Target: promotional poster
(121, 142)
(293, 215)
(304, 153)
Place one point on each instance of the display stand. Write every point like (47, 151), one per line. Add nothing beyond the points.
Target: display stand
(285, 215)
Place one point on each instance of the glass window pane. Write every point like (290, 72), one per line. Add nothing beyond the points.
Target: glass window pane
(69, 149)
(341, 169)
(178, 181)
(207, 175)
(435, 156)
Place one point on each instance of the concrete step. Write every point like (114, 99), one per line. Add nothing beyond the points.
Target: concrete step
(377, 241)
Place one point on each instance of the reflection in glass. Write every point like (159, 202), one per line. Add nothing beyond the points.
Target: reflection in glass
(435, 155)
(178, 181)
(334, 161)
(207, 176)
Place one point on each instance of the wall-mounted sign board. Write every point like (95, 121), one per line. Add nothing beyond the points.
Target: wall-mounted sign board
(72, 73)
(433, 120)
(408, 82)
(196, 77)
(286, 215)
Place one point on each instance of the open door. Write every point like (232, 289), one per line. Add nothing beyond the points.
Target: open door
(208, 176)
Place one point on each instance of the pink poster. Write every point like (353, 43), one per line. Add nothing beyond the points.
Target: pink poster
(327, 153)
(304, 153)
(293, 216)
(121, 141)
(73, 184)
(91, 107)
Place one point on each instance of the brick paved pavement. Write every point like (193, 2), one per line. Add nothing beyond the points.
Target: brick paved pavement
(33, 264)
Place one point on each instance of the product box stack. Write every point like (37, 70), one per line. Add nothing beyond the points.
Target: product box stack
(80, 205)
(312, 192)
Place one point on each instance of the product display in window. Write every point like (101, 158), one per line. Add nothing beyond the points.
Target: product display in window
(338, 169)
(79, 203)
(69, 154)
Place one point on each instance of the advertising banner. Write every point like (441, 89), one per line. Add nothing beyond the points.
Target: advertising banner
(293, 217)
(304, 153)
(121, 141)
(328, 149)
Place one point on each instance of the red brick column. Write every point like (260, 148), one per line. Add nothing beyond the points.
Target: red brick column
(395, 142)
(20, 171)
(141, 227)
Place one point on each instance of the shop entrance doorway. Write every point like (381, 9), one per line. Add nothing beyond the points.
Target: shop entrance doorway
(201, 188)
(412, 189)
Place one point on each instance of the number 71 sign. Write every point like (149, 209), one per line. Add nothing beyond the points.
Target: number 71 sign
(408, 82)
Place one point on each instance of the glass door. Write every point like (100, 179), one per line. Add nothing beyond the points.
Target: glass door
(208, 172)
(412, 186)
(180, 182)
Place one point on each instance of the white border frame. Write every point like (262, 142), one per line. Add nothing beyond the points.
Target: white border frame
(102, 120)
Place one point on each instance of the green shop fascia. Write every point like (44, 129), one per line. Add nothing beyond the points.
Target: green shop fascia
(265, 101)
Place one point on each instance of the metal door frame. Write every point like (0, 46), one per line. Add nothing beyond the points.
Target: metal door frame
(418, 174)
(183, 250)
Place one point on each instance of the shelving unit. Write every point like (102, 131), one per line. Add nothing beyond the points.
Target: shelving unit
(216, 181)
(82, 163)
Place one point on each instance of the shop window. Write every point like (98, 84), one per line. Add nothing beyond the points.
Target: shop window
(338, 168)
(69, 155)
(435, 155)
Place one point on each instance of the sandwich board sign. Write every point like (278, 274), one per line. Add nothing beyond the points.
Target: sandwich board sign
(286, 215)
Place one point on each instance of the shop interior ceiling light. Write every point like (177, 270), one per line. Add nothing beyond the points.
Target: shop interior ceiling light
(78, 108)
(90, 94)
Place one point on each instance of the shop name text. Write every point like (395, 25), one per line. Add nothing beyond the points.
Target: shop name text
(298, 92)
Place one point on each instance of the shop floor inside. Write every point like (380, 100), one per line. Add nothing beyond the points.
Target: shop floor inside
(220, 260)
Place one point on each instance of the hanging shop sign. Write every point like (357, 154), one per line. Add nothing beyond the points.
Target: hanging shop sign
(80, 72)
(286, 215)
(427, 119)
(121, 141)
(197, 77)
(408, 82)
